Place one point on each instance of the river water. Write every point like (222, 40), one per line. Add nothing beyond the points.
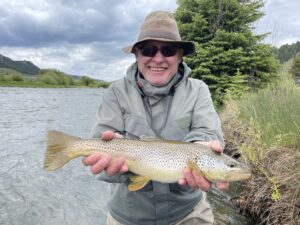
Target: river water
(71, 195)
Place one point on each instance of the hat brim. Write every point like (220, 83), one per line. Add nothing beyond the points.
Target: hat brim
(188, 46)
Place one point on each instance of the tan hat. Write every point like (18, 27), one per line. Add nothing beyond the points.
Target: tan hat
(161, 26)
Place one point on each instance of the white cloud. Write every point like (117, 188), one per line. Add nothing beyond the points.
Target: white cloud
(92, 60)
(282, 20)
(86, 37)
(76, 37)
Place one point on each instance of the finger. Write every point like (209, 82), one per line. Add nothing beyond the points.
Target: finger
(101, 164)
(91, 159)
(222, 185)
(206, 143)
(108, 135)
(201, 182)
(124, 169)
(117, 135)
(182, 182)
(189, 178)
(115, 166)
(216, 146)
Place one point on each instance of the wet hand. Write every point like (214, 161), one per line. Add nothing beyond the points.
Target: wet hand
(105, 162)
(192, 179)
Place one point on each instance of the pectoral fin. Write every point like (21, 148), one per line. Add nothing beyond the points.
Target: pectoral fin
(192, 166)
(137, 182)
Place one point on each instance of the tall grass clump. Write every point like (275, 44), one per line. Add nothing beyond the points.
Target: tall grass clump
(276, 112)
(264, 127)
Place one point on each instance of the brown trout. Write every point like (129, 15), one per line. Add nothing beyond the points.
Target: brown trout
(149, 158)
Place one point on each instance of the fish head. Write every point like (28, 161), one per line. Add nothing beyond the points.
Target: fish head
(220, 167)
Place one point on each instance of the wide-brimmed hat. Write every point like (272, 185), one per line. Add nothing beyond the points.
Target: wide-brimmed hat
(161, 26)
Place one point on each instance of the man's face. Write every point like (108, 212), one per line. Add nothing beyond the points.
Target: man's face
(158, 61)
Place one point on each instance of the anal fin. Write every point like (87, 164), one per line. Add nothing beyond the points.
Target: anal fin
(137, 182)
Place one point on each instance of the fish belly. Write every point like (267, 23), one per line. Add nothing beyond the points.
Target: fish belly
(164, 175)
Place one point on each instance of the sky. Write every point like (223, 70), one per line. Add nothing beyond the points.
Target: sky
(85, 37)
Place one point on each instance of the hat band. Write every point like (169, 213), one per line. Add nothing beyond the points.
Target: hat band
(151, 34)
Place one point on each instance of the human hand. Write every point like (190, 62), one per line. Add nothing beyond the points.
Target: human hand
(194, 180)
(99, 162)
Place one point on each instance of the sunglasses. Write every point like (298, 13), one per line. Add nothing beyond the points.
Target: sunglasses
(166, 51)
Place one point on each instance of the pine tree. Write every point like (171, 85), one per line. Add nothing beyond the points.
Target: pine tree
(288, 51)
(229, 57)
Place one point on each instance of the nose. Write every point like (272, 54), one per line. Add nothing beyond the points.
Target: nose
(158, 57)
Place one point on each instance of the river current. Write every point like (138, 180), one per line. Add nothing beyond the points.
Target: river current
(71, 195)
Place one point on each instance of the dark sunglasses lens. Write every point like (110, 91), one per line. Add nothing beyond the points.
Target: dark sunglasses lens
(166, 51)
(149, 51)
(169, 50)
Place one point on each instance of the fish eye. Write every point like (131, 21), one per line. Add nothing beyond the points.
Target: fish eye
(232, 164)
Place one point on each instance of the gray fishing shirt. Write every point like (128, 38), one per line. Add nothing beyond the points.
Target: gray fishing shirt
(182, 110)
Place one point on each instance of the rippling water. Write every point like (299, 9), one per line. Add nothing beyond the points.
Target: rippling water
(69, 196)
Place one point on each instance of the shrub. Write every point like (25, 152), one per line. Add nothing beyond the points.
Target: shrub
(17, 78)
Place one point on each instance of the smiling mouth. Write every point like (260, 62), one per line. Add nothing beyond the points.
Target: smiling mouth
(157, 69)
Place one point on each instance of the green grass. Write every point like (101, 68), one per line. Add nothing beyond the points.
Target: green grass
(34, 84)
(276, 113)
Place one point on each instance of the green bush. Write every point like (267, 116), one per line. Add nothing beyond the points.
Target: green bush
(55, 77)
(86, 81)
(17, 78)
(47, 79)
(2, 77)
(103, 84)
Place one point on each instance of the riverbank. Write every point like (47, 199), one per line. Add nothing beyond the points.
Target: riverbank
(48, 78)
(264, 128)
(31, 84)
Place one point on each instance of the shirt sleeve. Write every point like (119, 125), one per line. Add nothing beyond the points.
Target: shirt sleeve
(206, 125)
(109, 116)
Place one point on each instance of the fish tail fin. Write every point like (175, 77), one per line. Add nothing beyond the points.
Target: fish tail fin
(56, 155)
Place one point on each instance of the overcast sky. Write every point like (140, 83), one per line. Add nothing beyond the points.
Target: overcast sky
(86, 37)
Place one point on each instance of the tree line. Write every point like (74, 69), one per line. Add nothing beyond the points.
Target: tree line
(288, 51)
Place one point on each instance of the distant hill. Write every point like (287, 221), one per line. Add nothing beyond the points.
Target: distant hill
(29, 70)
(25, 67)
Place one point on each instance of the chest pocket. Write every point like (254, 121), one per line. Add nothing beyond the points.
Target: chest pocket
(177, 129)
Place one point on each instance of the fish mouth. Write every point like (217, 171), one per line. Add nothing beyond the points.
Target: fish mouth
(234, 175)
(239, 175)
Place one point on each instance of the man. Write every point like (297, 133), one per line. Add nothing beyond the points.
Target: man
(157, 98)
